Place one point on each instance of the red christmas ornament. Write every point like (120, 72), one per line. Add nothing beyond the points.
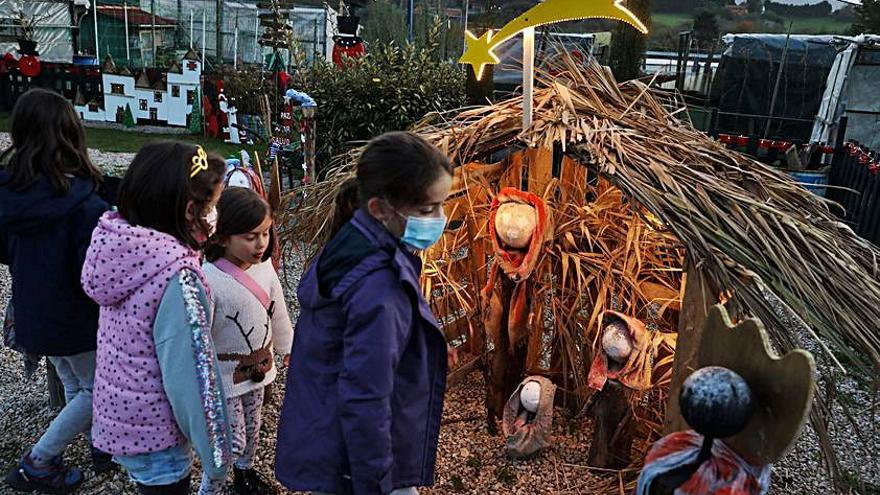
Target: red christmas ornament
(29, 66)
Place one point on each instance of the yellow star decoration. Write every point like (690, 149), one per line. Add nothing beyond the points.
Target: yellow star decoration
(479, 52)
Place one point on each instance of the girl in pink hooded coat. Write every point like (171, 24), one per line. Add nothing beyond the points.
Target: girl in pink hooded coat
(157, 388)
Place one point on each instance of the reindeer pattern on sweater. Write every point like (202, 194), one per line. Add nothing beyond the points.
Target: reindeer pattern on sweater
(246, 334)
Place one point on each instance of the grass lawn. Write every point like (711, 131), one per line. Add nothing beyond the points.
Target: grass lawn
(821, 25)
(817, 25)
(662, 19)
(114, 140)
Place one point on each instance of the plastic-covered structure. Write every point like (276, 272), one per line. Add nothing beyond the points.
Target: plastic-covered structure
(851, 91)
(747, 75)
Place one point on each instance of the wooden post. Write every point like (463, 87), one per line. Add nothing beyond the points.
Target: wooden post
(698, 298)
(613, 428)
(57, 399)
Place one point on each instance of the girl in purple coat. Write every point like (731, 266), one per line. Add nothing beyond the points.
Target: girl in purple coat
(368, 369)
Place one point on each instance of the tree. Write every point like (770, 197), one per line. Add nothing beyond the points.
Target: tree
(706, 29)
(628, 44)
(195, 117)
(128, 120)
(384, 21)
(755, 6)
(867, 17)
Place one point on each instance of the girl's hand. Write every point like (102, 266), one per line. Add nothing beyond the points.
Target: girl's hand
(286, 360)
(451, 356)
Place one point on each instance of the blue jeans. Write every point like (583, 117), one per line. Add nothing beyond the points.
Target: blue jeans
(164, 467)
(77, 374)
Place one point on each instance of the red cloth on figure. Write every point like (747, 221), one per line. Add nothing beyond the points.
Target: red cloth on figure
(724, 473)
(518, 266)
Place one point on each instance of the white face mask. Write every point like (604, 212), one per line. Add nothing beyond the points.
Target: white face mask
(211, 220)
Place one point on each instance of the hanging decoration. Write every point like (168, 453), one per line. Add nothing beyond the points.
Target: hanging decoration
(479, 52)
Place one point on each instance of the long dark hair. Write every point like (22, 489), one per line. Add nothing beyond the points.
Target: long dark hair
(239, 211)
(157, 187)
(396, 166)
(48, 141)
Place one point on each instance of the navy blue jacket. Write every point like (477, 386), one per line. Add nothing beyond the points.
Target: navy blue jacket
(43, 239)
(367, 373)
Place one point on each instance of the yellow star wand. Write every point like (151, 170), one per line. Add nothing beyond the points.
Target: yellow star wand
(479, 52)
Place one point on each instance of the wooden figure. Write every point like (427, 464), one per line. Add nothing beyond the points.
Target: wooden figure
(746, 406)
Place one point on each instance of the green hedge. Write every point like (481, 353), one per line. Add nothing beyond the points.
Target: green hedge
(391, 88)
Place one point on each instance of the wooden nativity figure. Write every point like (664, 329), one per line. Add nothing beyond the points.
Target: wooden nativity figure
(528, 417)
(519, 227)
(746, 407)
(623, 364)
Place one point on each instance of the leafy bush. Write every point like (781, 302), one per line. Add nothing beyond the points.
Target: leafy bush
(391, 88)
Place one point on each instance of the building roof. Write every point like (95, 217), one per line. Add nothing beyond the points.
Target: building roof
(143, 81)
(192, 55)
(109, 66)
(136, 16)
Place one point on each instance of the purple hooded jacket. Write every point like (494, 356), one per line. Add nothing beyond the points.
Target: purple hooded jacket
(368, 371)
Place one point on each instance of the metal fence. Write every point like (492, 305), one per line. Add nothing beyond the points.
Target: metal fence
(855, 185)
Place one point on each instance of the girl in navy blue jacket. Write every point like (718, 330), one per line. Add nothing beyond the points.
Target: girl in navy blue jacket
(368, 368)
(49, 206)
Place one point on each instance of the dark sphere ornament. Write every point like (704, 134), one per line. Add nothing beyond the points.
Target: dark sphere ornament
(716, 402)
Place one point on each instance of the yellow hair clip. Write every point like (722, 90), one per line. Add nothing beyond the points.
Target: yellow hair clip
(199, 162)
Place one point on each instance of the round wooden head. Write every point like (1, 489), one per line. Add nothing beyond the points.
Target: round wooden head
(716, 402)
(616, 341)
(515, 224)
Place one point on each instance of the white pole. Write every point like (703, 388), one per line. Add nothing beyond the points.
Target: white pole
(257, 40)
(235, 46)
(127, 39)
(204, 36)
(528, 74)
(191, 38)
(467, 4)
(97, 45)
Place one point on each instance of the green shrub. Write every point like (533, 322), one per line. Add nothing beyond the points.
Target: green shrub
(391, 88)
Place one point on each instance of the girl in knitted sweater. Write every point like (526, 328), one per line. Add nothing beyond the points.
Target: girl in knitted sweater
(158, 393)
(250, 319)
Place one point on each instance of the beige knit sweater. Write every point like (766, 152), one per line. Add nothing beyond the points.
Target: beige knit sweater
(244, 333)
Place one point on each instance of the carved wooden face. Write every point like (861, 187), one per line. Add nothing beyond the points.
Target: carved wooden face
(515, 224)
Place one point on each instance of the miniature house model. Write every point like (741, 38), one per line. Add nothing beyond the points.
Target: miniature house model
(167, 100)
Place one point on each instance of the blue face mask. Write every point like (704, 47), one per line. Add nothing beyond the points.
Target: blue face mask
(423, 232)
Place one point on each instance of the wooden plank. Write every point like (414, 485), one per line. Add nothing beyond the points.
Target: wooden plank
(574, 181)
(540, 163)
(470, 174)
(694, 313)
(512, 176)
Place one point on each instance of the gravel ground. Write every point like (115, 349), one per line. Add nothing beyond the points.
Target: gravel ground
(469, 460)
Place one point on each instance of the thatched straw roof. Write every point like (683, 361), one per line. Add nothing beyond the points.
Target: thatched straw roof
(747, 226)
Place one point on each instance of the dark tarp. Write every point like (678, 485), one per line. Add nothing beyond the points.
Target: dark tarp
(747, 75)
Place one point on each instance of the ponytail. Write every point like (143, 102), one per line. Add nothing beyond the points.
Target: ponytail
(346, 203)
(398, 167)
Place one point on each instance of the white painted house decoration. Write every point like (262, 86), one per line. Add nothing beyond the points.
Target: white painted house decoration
(167, 101)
